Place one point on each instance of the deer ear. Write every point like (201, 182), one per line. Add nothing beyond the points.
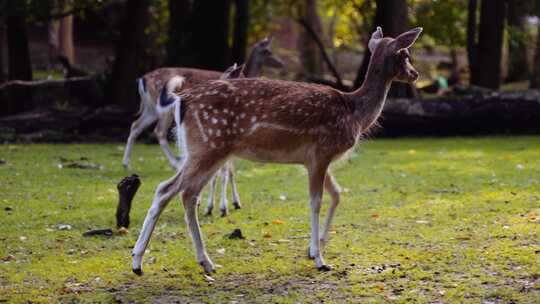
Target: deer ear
(237, 72)
(407, 39)
(375, 39)
(266, 41)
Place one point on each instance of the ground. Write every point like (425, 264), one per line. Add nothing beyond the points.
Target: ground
(421, 220)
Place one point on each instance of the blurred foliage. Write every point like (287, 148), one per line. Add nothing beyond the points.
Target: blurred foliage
(444, 22)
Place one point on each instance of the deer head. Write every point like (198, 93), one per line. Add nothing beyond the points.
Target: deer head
(262, 55)
(392, 55)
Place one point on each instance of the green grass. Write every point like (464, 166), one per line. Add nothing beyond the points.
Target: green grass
(421, 220)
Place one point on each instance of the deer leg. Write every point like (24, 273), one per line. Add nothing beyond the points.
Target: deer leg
(334, 190)
(236, 197)
(223, 204)
(164, 193)
(316, 183)
(161, 131)
(146, 119)
(194, 180)
(211, 192)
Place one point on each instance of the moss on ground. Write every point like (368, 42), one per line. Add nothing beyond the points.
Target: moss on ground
(421, 220)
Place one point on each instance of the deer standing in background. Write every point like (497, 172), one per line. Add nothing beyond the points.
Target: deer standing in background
(151, 83)
(149, 89)
(278, 122)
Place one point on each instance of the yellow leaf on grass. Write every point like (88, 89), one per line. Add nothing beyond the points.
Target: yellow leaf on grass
(277, 222)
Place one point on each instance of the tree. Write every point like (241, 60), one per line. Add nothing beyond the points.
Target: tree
(65, 37)
(2, 46)
(19, 64)
(180, 13)
(130, 54)
(309, 51)
(518, 48)
(486, 67)
(535, 77)
(241, 26)
(203, 41)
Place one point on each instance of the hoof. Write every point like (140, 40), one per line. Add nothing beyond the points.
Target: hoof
(126, 166)
(309, 255)
(208, 267)
(138, 271)
(324, 268)
(224, 213)
(208, 212)
(237, 205)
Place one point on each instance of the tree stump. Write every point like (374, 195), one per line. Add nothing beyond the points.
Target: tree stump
(127, 188)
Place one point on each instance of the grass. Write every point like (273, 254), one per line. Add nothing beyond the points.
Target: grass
(421, 220)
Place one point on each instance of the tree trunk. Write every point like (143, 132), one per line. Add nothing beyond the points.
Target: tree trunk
(180, 12)
(2, 47)
(241, 26)
(207, 36)
(391, 16)
(472, 47)
(130, 54)
(19, 64)
(65, 34)
(490, 43)
(310, 55)
(518, 48)
(535, 77)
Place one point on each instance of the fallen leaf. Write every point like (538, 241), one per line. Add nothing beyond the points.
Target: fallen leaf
(208, 278)
(412, 152)
(375, 215)
(277, 222)
(267, 235)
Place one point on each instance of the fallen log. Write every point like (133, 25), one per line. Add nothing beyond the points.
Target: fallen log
(18, 96)
(491, 113)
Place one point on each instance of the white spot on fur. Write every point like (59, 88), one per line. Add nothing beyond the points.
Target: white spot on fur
(253, 119)
(243, 115)
(218, 133)
(214, 121)
(210, 131)
(224, 121)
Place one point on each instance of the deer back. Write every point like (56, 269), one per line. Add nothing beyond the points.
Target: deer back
(265, 116)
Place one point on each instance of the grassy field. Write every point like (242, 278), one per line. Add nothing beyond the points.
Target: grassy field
(421, 220)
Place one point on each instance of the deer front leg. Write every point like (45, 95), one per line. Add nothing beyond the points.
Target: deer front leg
(161, 132)
(164, 193)
(223, 203)
(334, 190)
(210, 205)
(234, 189)
(146, 119)
(316, 184)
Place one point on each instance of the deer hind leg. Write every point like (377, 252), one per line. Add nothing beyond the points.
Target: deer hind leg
(196, 176)
(317, 175)
(334, 190)
(236, 197)
(146, 119)
(164, 193)
(223, 203)
(161, 131)
(211, 192)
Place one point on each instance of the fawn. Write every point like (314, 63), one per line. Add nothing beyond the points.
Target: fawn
(279, 122)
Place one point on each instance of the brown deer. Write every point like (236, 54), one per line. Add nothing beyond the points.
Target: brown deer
(279, 122)
(151, 83)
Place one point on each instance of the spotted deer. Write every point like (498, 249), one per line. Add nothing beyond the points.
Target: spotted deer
(278, 122)
(150, 84)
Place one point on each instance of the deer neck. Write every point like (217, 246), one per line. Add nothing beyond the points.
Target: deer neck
(369, 99)
(253, 67)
